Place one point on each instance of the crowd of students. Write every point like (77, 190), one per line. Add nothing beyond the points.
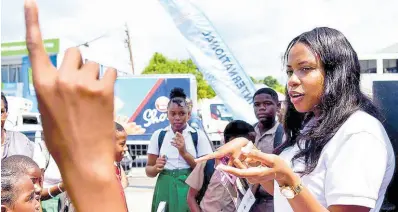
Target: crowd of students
(329, 152)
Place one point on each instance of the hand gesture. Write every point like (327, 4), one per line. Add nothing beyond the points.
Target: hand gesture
(256, 166)
(160, 163)
(232, 149)
(77, 115)
(179, 143)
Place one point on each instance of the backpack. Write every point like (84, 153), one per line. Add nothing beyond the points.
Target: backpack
(209, 167)
(278, 135)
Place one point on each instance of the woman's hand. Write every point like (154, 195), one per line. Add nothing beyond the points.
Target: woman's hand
(272, 167)
(232, 149)
(268, 167)
(179, 143)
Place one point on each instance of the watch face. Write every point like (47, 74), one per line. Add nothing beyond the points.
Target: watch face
(288, 193)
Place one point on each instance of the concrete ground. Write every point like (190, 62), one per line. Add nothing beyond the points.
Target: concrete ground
(140, 191)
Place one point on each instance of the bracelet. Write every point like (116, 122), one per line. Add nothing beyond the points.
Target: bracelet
(59, 188)
(49, 193)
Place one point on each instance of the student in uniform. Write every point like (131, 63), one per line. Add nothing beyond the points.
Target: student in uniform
(269, 134)
(13, 142)
(171, 155)
(120, 149)
(217, 196)
(18, 190)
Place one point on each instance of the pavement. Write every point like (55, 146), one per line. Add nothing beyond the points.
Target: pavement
(140, 191)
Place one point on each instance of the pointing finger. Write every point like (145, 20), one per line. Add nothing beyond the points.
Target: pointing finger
(34, 42)
(249, 172)
(209, 157)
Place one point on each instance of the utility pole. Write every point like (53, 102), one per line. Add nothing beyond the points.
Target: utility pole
(128, 43)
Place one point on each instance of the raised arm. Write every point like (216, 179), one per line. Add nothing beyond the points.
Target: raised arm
(69, 100)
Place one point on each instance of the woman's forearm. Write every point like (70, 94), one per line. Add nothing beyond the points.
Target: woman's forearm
(304, 201)
(268, 187)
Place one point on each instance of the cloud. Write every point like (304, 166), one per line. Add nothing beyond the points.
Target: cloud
(256, 31)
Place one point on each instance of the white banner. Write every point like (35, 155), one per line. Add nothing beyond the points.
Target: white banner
(213, 58)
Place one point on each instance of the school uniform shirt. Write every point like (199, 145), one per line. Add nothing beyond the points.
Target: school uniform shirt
(265, 141)
(355, 167)
(17, 143)
(174, 159)
(217, 197)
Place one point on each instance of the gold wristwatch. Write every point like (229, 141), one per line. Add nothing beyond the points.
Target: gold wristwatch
(289, 192)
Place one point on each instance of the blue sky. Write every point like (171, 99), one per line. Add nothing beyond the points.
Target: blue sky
(257, 31)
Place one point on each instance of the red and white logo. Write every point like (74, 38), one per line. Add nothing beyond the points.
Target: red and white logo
(161, 104)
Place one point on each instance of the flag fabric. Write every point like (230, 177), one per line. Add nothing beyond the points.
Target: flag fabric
(213, 58)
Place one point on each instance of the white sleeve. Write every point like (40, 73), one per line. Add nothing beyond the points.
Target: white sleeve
(354, 176)
(38, 156)
(204, 146)
(153, 144)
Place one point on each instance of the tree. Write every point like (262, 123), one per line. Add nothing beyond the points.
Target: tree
(159, 64)
(271, 82)
(274, 84)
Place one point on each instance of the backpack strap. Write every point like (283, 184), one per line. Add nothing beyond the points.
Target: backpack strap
(161, 138)
(278, 136)
(194, 136)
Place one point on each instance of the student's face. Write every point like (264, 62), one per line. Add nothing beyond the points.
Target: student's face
(306, 78)
(178, 116)
(35, 175)
(121, 146)
(265, 107)
(25, 200)
(4, 113)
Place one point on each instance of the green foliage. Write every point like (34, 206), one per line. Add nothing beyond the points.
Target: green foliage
(159, 64)
(274, 84)
(271, 82)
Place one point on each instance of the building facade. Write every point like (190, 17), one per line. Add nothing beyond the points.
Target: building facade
(16, 73)
(378, 67)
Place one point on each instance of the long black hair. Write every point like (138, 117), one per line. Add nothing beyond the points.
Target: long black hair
(3, 97)
(341, 97)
